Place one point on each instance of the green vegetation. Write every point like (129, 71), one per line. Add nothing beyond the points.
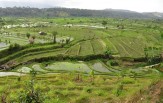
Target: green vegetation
(66, 87)
(79, 60)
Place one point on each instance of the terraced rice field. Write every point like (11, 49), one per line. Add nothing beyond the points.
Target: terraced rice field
(125, 47)
(35, 67)
(58, 67)
(61, 77)
(3, 74)
(128, 47)
(100, 68)
(40, 55)
(23, 40)
(87, 48)
(14, 39)
(121, 50)
(110, 45)
(74, 50)
(67, 66)
(3, 46)
(82, 67)
(98, 46)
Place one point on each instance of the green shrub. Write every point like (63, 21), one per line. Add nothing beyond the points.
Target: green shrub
(14, 47)
(114, 63)
(82, 99)
(30, 94)
(119, 90)
(88, 89)
(128, 81)
(100, 93)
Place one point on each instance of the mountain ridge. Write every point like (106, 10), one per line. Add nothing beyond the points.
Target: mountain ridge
(74, 12)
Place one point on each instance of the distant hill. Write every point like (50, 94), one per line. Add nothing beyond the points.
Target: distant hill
(67, 12)
(154, 14)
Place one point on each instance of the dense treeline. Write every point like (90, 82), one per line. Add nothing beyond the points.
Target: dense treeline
(66, 12)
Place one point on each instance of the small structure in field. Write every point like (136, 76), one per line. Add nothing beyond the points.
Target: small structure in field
(42, 33)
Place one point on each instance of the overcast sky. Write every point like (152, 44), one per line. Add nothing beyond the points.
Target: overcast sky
(134, 5)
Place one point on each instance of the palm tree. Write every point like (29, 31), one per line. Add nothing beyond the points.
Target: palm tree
(54, 33)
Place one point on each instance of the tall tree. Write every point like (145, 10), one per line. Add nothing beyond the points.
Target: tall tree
(54, 33)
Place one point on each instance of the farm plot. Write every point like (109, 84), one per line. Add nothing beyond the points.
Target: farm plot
(13, 39)
(110, 45)
(40, 55)
(3, 74)
(144, 70)
(24, 70)
(69, 67)
(33, 56)
(38, 68)
(86, 48)
(151, 39)
(74, 50)
(3, 46)
(129, 47)
(97, 46)
(27, 69)
(136, 43)
(132, 51)
(121, 50)
(100, 68)
(44, 52)
(22, 40)
(30, 51)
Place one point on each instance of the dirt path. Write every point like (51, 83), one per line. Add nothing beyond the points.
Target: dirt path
(155, 91)
(150, 95)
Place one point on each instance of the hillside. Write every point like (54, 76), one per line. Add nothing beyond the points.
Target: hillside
(67, 12)
(80, 59)
(136, 39)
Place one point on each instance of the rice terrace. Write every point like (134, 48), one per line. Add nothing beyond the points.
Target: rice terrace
(63, 55)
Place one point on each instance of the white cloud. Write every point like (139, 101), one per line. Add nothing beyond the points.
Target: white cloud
(134, 5)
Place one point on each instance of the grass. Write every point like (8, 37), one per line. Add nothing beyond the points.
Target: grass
(63, 87)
